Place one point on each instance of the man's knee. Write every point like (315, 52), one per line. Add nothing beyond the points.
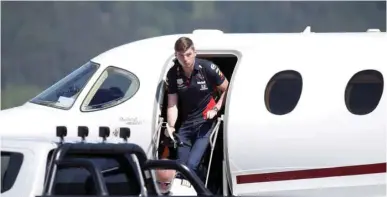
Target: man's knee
(197, 153)
(193, 164)
(183, 151)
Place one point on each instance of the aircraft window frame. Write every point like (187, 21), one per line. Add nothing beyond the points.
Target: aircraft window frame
(98, 83)
(284, 74)
(363, 77)
(13, 169)
(45, 103)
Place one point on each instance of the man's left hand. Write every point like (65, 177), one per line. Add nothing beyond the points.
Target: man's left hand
(211, 114)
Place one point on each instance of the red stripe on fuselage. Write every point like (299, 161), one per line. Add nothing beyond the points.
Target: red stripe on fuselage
(313, 173)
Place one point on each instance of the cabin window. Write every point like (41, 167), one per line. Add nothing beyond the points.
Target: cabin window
(10, 167)
(283, 92)
(364, 91)
(113, 87)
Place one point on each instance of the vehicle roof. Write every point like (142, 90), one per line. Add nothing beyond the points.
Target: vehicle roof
(32, 142)
(45, 140)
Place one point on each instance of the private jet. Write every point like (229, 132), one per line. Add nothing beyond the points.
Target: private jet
(305, 113)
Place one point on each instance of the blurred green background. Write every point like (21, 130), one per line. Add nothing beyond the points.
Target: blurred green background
(41, 42)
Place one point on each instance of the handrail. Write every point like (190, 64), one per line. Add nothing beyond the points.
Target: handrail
(214, 132)
(155, 142)
(215, 128)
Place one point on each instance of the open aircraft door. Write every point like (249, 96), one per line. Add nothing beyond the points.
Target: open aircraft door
(243, 146)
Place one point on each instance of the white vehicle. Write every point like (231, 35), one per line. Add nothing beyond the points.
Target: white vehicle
(305, 112)
(32, 167)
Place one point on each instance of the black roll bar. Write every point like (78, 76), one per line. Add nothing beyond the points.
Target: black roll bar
(90, 166)
(91, 149)
(184, 170)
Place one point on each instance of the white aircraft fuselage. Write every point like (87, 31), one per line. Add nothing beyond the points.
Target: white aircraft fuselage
(302, 117)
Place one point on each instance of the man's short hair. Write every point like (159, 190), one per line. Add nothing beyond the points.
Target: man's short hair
(182, 44)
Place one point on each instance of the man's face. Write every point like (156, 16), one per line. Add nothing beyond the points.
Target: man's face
(186, 58)
(164, 186)
(164, 179)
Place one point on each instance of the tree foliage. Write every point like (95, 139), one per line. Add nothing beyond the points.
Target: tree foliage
(44, 41)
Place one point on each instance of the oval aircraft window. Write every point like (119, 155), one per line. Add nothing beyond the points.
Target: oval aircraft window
(364, 91)
(113, 87)
(283, 92)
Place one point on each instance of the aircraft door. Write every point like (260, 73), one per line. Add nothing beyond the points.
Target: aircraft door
(244, 106)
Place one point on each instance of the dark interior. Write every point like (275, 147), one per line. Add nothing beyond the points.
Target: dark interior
(364, 97)
(118, 172)
(10, 167)
(364, 91)
(284, 95)
(226, 64)
(104, 96)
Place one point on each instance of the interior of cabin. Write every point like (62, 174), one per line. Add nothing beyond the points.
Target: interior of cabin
(226, 63)
(364, 91)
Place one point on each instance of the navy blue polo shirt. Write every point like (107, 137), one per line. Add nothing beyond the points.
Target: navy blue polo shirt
(195, 92)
